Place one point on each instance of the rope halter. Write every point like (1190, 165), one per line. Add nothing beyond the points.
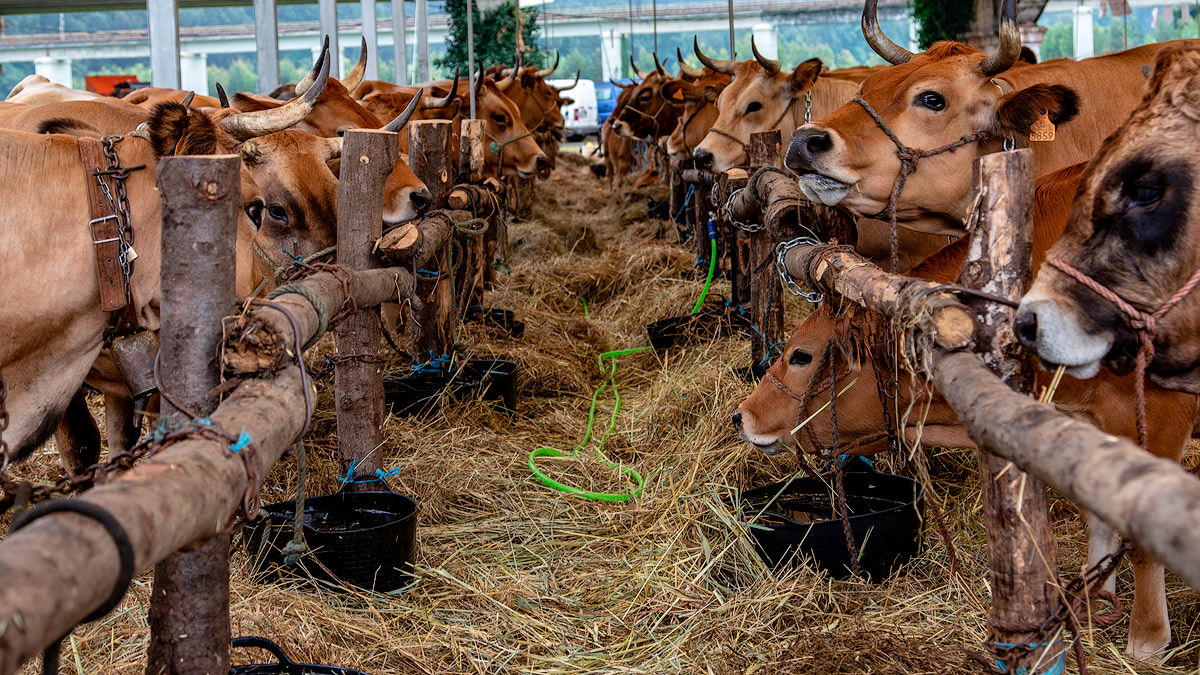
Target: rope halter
(1143, 323)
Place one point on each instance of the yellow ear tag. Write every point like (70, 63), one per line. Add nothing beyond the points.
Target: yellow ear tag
(1042, 129)
(677, 95)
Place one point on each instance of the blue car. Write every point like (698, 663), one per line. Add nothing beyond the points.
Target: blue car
(606, 96)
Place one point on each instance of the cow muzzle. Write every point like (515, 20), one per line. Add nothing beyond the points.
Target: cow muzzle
(744, 422)
(1053, 332)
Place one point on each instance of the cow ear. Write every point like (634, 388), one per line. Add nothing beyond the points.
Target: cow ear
(1019, 110)
(805, 75)
(243, 102)
(567, 101)
(174, 129)
(675, 91)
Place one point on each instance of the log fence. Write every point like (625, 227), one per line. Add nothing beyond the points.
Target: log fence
(201, 475)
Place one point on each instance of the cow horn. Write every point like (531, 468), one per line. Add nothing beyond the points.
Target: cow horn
(261, 122)
(187, 100)
(685, 69)
(637, 72)
(770, 65)
(618, 85)
(550, 71)
(658, 66)
(882, 44)
(402, 119)
(445, 102)
(510, 77)
(1010, 43)
(359, 71)
(311, 76)
(222, 96)
(479, 79)
(716, 64)
(573, 83)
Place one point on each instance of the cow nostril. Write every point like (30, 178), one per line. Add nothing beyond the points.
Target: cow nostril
(541, 164)
(1026, 329)
(819, 143)
(420, 201)
(703, 157)
(737, 421)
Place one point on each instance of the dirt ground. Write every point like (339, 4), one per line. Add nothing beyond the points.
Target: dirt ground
(512, 577)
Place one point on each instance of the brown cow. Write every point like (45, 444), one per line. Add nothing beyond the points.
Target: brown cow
(696, 89)
(768, 415)
(647, 113)
(1133, 231)
(763, 97)
(938, 97)
(618, 150)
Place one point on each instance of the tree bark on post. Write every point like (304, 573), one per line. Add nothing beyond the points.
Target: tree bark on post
(189, 605)
(432, 160)
(368, 156)
(736, 242)
(1021, 552)
(701, 206)
(766, 301)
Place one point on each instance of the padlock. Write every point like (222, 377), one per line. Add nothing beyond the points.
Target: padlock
(134, 357)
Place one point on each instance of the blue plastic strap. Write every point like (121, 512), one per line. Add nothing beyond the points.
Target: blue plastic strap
(712, 229)
(242, 441)
(293, 256)
(1059, 667)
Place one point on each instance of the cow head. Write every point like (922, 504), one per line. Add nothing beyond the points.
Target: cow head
(696, 89)
(511, 148)
(647, 113)
(761, 97)
(798, 389)
(1135, 229)
(538, 102)
(928, 101)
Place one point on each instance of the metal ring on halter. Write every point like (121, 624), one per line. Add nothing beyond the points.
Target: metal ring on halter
(1009, 144)
(781, 250)
(808, 106)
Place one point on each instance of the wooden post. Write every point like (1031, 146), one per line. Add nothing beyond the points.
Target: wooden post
(432, 318)
(471, 150)
(766, 301)
(368, 156)
(701, 206)
(735, 242)
(1016, 511)
(189, 605)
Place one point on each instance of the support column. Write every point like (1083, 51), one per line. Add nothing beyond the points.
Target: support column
(193, 72)
(1085, 45)
(610, 54)
(400, 41)
(54, 69)
(370, 34)
(189, 602)
(163, 16)
(266, 45)
(327, 13)
(766, 38)
(422, 41)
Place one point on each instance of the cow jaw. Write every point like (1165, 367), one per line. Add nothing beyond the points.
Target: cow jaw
(825, 189)
(1060, 339)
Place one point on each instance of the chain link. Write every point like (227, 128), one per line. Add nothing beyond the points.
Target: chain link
(781, 251)
(728, 209)
(118, 201)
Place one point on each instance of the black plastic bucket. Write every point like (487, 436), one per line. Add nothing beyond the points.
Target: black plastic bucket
(501, 318)
(284, 665)
(421, 391)
(363, 539)
(801, 522)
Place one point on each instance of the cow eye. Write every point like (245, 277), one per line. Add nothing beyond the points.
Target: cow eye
(499, 119)
(1145, 195)
(254, 211)
(932, 100)
(341, 133)
(799, 357)
(276, 211)
(754, 106)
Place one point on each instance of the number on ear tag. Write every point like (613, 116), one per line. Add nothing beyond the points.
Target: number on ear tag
(1042, 130)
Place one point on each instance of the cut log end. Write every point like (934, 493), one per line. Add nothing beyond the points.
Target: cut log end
(253, 347)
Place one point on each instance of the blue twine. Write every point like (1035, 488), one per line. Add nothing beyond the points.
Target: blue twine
(243, 440)
(686, 200)
(293, 256)
(1058, 668)
(427, 274)
(377, 477)
(435, 364)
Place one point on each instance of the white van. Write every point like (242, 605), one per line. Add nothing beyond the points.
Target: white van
(580, 116)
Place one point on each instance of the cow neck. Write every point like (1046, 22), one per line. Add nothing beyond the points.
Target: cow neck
(908, 165)
(1144, 323)
(111, 229)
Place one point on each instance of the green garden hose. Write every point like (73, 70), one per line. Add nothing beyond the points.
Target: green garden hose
(640, 483)
(712, 265)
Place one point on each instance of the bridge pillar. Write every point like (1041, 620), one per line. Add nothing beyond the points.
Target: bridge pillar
(193, 72)
(1084, 41)
(766, 38)
(54, 69)
(610, 54)
(327, 16)
(370, 32)
(266, 45)
(163, 16)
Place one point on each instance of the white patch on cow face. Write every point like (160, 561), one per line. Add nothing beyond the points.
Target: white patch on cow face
(1061, 340)
(825, 189)
(769, 446)
(623, 129)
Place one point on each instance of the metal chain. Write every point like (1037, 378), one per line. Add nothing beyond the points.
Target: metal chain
(728, 209)
(781, 250)
(118, 200)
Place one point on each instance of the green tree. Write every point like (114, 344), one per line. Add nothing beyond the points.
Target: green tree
(942, 19)
(1059, 41)
(495, 36)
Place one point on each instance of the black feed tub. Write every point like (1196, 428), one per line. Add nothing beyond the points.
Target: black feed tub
(284, 665)
(714, 320)
(801, 522)
(363, 539)
(501, 318)
(421, 391)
